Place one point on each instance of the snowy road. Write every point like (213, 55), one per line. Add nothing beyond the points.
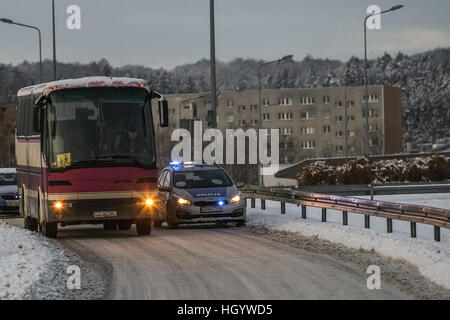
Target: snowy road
(216, 263)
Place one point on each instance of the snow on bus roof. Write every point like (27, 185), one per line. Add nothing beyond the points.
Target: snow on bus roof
(87, 82)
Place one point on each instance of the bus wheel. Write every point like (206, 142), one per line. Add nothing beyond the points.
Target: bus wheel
(49, 229)
(144, 226)
(124, 225)
(30, 224)
(109, 225)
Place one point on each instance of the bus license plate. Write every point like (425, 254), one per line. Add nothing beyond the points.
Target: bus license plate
(211, 209)
(105, 214)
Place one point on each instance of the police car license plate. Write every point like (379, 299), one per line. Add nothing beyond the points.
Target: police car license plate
(104, 214)
(211, 209)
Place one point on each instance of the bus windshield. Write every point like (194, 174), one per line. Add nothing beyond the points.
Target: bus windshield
(99, 126)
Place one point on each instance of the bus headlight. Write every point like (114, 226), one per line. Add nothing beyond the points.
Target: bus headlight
(149, 202)
(236, 198)
(59, 205)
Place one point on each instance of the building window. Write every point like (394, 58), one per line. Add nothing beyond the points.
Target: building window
(307, 115)
(242, 108)
(339, 148)
(308, 145)
(372, 113)
(373, 142)
(254, 122)
(285, 101)
(339, 118)
(230, 118)
(285, 131)
(326, 99)
(326, 129)
(254, 107)
(327, 116)
(373, 128)
(350, 118)
(230, 103)
(338, 104)
(190, 106)
(306, 100)
(350, 103)
(285, 116)
(372, 98)
(351, 133)
(308, 130)
(242, 122)
(352, 148)
(339, 134)
(265, 102)
(266, 116)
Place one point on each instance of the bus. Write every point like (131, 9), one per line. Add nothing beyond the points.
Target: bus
(85, 151)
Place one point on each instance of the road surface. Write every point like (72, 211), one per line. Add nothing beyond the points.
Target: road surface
(200, 262)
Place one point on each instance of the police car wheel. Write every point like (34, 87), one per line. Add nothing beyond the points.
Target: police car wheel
(240, 223)
(171, 223)
(157, 223)
(144, 226)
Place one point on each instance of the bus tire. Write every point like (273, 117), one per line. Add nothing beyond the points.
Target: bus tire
(144, 226)
(49, 229)
(110, 226)
(124, 225)
(30, 224)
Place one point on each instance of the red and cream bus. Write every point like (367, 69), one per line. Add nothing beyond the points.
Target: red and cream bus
(85, 151)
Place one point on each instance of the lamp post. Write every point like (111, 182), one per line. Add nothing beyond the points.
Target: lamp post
(213, 64)
(397, 7)
(54, 40)
(9, 21)
(283, 59)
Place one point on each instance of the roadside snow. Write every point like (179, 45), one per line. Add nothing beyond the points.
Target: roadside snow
(432, 258)
(33, 267)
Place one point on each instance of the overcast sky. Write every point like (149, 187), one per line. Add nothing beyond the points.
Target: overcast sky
(167, 33)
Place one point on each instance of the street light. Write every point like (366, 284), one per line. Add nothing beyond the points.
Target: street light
(9, 21)
(287, 58)
(397, 7)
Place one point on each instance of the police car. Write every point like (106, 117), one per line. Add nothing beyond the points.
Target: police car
(9, 195)
(197, 193)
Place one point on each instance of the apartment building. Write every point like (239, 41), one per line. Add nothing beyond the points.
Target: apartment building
(313, 122)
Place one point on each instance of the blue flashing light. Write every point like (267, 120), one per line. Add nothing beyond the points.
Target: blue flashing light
(174, 163)
(221, 203)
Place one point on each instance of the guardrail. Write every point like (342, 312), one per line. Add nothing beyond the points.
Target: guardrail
(391, 211)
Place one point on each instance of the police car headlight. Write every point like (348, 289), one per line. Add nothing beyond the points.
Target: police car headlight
(236, 198)
(182, 201)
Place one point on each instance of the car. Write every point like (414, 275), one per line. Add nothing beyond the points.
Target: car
(9, 194)
(198, 193)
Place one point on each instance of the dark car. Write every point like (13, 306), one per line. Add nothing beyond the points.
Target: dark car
(9, 195)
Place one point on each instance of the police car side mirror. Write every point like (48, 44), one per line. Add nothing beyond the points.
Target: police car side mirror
(239, 185)
(163, 189)
(163, 108)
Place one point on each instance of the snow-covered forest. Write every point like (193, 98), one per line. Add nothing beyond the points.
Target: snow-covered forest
(424, 78)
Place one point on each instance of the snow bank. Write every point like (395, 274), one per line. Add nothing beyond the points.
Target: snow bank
(432, 258)
(33, 267)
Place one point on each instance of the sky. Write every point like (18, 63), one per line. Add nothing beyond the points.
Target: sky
(168, 33)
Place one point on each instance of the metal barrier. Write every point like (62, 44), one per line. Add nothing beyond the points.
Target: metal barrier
(391, 211)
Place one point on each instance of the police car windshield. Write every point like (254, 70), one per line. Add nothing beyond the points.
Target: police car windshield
(200, 179)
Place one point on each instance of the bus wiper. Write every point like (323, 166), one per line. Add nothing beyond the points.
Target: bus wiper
(127, 157)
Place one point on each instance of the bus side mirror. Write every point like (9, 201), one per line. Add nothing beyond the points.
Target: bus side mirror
(163, 109)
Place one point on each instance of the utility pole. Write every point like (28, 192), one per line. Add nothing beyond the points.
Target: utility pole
(54, 41)
(213, 64)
